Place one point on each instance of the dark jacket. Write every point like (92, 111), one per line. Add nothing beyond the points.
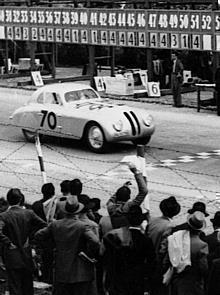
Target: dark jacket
(117, 210)
(129, 257)
(213, 244)
(38, 208)
(17, 226)
(156, 228)
(213, 287)
(178, 71)
(70, 236)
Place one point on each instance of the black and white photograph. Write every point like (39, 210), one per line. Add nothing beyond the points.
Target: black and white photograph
(109, 147)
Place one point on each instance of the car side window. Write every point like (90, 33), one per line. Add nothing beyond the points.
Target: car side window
(71, 96)
(51, 98)
(40, 98)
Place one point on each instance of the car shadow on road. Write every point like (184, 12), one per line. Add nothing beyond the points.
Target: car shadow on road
(79, 145)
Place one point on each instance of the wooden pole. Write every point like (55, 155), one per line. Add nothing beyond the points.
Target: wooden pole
(53, 60)
(149, 64)
(32, 47)
(112, 54)
(91, 71)
(6, 56)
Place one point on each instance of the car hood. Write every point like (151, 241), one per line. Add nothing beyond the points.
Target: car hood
(105, 107)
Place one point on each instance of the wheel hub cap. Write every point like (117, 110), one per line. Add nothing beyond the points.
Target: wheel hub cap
(96, 137)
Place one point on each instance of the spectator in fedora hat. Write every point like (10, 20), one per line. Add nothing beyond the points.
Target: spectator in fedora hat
(213, 239)
(156, 228)
(158, 225)
(68, 188)
(198, 206)
(187, 254)
(70, 236)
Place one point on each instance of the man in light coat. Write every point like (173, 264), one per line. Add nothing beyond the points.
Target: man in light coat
(189, 274)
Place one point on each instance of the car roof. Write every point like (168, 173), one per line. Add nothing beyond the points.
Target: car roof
(64, 87)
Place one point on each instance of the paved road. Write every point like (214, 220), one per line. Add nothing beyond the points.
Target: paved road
(180, 133)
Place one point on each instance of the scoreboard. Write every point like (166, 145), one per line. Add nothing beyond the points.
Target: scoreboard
(165, 29)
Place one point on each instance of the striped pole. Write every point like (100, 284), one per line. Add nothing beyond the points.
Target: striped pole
(141, 156)
(40, 158)
(217, 199)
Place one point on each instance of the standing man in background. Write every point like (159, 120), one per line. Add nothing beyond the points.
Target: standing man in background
(176, 79)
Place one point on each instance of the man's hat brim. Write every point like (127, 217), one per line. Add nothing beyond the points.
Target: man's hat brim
(196, 228)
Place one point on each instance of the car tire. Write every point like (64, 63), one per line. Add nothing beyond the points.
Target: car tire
(143, 141)
(29, 135)
(95, 138)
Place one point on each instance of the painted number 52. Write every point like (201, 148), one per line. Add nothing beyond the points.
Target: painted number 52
(51, 119)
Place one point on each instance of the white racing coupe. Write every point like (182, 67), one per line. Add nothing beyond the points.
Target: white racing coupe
(74, 110)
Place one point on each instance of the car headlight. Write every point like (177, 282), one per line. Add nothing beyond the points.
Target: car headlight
(118, 125)
(148, 120)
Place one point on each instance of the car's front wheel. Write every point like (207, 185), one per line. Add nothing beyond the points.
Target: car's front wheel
(143, 141)
(95, 138)
(29, 135)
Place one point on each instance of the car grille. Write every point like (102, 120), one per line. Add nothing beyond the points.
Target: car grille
(133, 120)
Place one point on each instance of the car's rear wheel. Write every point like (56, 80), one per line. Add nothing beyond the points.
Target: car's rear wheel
(29, 135)
(95, 138)
(143, 141)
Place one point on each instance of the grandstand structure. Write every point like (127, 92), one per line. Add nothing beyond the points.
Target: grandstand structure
(129, 6)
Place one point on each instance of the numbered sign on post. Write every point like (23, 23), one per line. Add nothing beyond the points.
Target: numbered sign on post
(144, 77)
(37, 79)
(153, 89)
(99, 83)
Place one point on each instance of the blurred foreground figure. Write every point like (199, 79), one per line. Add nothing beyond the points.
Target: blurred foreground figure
(17, 226)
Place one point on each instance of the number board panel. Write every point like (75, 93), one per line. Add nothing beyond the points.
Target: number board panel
(162, 29)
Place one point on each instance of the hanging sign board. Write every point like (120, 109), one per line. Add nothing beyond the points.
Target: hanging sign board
(164, 29)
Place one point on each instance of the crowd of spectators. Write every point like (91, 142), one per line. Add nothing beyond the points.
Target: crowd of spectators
(63, 240)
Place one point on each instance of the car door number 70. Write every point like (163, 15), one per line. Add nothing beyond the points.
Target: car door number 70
(51, 119)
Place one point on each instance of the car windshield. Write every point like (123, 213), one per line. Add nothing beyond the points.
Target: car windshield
(72, 96)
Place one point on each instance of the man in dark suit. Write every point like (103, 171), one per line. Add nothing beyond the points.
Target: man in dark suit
(176, 79)
(74, 272)
(213, 240)
(129, 256)
(17, 226)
